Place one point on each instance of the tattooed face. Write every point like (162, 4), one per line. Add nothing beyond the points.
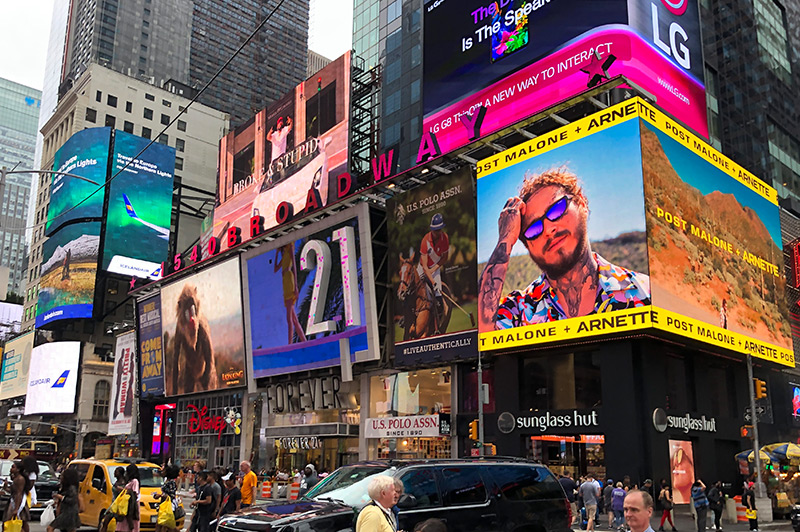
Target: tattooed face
(562, 241)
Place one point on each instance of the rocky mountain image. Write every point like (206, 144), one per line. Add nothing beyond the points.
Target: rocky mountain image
(85, 248)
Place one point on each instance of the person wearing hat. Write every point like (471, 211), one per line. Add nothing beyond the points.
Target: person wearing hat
(232, 502)
(434, 251)
(749, 501)
(310, 479)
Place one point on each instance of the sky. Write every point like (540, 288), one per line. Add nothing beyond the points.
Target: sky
(25, 26)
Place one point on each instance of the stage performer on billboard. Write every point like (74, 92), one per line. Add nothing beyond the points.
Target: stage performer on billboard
(277, 137)
(284, 261)
(550, 218)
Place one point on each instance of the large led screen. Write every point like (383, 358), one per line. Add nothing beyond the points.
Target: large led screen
(53, 378)
(139, 207)
(625, 221)
(84, 154)
(433, 269)
(290, 154)
(201, 317)
(309, 297)
(68, 272)
(16, 363)
(151, 350)
(517, 58)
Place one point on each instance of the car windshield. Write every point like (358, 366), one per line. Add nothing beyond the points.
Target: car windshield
(348, 484)
(46, 472)
(150, 477)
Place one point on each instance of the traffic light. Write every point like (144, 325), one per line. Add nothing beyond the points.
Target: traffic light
(769, 467)
(319, 84)
(54, 428)
(473, 430)
(28, 431)
(490, 449)
(761, 388)
(747, 431)
(8, 427)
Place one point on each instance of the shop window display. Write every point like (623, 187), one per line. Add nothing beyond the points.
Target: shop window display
(581, 454)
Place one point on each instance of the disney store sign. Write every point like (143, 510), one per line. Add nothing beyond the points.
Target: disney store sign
(201, 421)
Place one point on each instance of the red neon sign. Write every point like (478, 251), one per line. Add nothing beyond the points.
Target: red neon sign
(201, 421)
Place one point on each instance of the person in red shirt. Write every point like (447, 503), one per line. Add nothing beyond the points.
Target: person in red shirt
(434, 251)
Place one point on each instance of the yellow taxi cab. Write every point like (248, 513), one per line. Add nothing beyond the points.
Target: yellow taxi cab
(96, 489)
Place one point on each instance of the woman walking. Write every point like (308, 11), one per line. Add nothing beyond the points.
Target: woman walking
(665, 498)
(68, 512)
(169, 492)
(130, 523)
(18, 504)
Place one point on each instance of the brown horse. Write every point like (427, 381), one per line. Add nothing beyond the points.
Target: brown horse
(419, 303)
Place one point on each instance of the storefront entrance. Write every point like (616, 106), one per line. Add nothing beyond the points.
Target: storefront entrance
(580, 454)
(326, 454)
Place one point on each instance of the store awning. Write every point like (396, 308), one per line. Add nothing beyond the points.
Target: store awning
(341, 430)
(749, 456)
(785, 451)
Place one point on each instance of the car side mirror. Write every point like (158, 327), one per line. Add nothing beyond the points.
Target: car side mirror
(406, 502)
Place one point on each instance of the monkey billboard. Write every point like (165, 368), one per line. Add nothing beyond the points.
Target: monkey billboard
(151, 350)
(203, 332)
(123, 407)
(309, 297)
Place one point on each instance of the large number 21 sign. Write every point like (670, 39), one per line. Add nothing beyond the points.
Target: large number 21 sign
(318, 250)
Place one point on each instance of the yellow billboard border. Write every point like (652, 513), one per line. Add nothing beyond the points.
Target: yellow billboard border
(639, 319)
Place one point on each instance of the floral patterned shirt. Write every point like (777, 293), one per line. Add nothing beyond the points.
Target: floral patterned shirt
(617, 288)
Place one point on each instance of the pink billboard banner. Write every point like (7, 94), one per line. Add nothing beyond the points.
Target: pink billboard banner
(564, 74)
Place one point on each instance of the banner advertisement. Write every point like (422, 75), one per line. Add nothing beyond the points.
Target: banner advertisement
(402, 427)
(309, 297)
(139, 207)
(151, 351)
(68, 273)
(568, 220)
(433, 270)
(548, 55)
(53, 378)
(203, 331)
(123, 410)
(16, 363)
(84, 154)
(287, 161)
(681, 466)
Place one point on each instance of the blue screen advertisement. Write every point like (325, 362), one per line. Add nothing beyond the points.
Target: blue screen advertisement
(68, 272)
(85, 154)
(307, 294)
(139, 207)
(151, 351)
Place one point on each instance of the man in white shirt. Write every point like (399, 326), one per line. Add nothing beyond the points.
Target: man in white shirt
(278, 136)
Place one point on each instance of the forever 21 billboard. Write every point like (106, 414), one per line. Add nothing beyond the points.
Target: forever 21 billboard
(308, 292)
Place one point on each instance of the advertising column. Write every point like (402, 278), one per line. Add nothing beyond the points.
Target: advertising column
(123, 406)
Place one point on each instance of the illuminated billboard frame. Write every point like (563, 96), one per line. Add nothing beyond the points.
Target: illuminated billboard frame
(53, 378)
(671, 157)
(315, 285)
(16, 363)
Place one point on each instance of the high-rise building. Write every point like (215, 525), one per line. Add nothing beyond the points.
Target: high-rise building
(19, 115)
(316, 62)
(102, 97)
(266, 69)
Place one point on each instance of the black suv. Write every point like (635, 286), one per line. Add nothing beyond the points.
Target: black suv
(481, 495)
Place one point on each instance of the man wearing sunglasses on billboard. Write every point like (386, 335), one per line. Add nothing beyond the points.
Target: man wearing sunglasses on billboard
(550, 218)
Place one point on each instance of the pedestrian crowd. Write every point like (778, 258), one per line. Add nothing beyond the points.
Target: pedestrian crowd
(589, 498)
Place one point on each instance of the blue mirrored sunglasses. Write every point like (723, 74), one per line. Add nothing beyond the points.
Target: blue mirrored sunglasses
(553, 213)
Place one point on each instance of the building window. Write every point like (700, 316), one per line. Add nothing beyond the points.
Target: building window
(180, 144)
(166, 103)
(111, 100)
(99, 96)
(181, 125)
(394, 10)
(148, 113)
(564, 381)
(164, 119)
(178, 163)
(128, 127)
(149, 97)
(91, 115)
(163, 139)
(146, 133)
(110, 121)
(102, 398)
(128, 107)
(772, 38)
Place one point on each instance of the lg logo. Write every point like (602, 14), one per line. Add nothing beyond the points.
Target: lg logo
(676, 7)
(677, 35)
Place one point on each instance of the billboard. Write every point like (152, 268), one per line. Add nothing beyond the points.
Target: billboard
(16, 363)
(139, 207)
(68, 272)
(681, 466)
(84, 154)
(122, 402)
(203, 331)
(287, 160)
(53, 378)
(626, 221)
(433, 269)
(309, 297)
(151, 351)
(528, 56)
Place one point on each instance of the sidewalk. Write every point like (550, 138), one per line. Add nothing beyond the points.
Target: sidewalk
(684, 522)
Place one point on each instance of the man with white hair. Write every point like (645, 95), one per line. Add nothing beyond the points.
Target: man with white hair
(377, 516)
(249, 483)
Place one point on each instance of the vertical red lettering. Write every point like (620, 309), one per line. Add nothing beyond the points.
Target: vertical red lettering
(345, 185)
(428, 147)
(256, 225)
(473, 122)
(234, 236)
(177, 263)
(213, 246)
(382, 166)
(284, 212)
(313, 200)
